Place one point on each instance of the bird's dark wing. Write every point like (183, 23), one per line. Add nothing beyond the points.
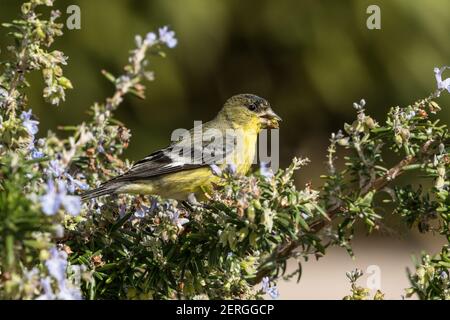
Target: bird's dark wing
(156, 164)
(188, 153)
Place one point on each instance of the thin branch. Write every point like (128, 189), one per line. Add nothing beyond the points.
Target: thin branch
(285, 251)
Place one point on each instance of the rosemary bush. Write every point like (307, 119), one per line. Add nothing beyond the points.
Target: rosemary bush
(236, 244)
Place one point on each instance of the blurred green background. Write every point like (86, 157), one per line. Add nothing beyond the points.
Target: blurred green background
(311, 59)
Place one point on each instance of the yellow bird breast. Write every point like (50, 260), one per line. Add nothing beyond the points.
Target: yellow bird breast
(180, 185)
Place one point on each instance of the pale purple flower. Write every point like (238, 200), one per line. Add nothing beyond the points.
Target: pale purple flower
(266, 170)
(122, 210)
(141, 211)
(46, 284)
(50, 202)
(35, 153)
(176, 220)
(54, 199)
(123, 83)
(154, 205)
(69, 293)
(3, 93)
(30, 125)
(71, 203)
(150, 39)
(100, 148)
(232, 168)
(442, 84)
(168, 37)
(41, 142)
(410, 115)
(304, 215)
(65, 292)
(272, 291)
(57, 265)
(55, 168)
(215, 169)
(30, 274)
(265, 284)
(73, 184)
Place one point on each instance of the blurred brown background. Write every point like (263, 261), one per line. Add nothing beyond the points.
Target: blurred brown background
(311, 59)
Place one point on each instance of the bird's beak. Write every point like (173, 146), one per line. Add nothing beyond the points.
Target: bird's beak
(270, 119)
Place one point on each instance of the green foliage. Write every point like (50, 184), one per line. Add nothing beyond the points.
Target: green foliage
(125, 247)
(358, 292)
(431, 279)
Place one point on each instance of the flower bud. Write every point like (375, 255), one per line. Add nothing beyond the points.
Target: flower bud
(39, 33)
(405, 134)
(420, 272)
(44, 255)
(398, 139)
(433, 107)
(344, 142)
(440, 183)
(242, 234)
(251, 213)
(369, 122)
(65, 83)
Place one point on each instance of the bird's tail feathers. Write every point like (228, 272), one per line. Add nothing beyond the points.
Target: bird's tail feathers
(103, 190)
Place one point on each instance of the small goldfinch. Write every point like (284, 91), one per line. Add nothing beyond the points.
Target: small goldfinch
(172, 175)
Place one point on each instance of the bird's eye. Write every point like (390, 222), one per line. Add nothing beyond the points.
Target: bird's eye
(252, 107)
